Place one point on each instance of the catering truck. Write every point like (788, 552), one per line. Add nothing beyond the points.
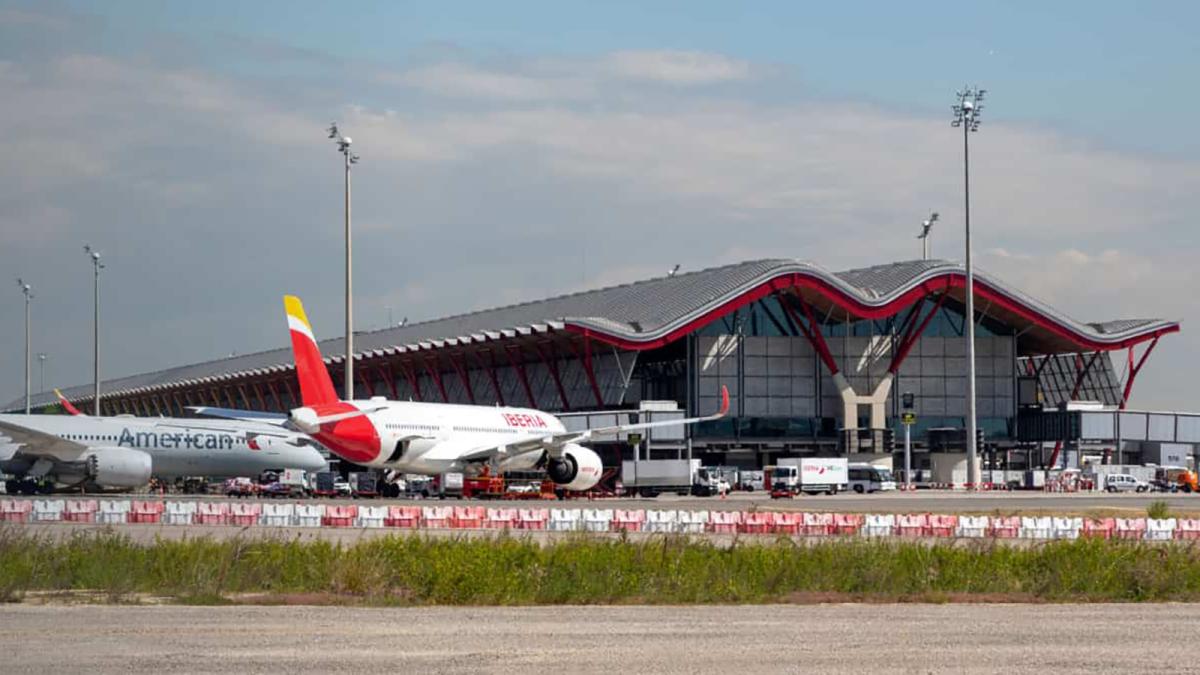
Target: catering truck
(830, 475)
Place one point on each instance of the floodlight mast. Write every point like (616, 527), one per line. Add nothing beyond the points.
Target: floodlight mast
(27, 290)
(94, 256)
(966, 115)
(926, 227)
(343, 145)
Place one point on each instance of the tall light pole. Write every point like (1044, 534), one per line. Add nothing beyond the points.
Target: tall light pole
(94, 256)
(926, 226)
(966, 115)
(28, 291)
(343, 143)
(41, 357)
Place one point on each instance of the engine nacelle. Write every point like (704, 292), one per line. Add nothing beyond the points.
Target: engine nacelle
(118, 467)
(578, 468)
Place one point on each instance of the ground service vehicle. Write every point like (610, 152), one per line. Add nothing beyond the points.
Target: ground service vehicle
(342, 487)
(239, 487)
(867, 478)
(820, 474)
(1124, 482)
(323, 484)
(652, 477)
(1175, 479)
(294, 482)
(709, 481)
(750, 481)
(363, 485)
(781, 481)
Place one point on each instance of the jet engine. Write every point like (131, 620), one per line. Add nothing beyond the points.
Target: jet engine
(118, 467)
(577, 468)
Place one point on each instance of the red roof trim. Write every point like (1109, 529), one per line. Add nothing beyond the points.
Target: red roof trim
(865, 311)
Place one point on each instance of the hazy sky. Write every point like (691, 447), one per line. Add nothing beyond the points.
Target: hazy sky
(516, 150)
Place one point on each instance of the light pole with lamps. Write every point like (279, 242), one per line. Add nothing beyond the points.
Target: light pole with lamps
(94, 256)
(28, 291)
(343, 143)
(966, 115)
(926, 226)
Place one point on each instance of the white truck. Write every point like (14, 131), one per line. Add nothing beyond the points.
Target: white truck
(652, 477)
(830, 475)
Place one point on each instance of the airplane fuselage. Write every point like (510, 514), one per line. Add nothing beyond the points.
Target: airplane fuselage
(180, 447)
(430, 438)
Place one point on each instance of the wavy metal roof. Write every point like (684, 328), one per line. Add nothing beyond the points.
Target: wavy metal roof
(648, 313)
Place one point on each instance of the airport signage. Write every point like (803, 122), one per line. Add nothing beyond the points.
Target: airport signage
(908, 419)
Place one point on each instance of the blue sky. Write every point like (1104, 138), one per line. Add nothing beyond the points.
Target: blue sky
(1105, 69)
(596, 143)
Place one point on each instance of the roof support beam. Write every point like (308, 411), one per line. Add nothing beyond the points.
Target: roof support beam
(436, 377)
(411, 376)
(490, 367)
(287, 383)
(1074, 392)
(275, 395)
(364, 376)
(385, 372)
(462, 375)
(258, 394)
(911, 336)
(552, 365)
(586, 360)
(520, 368)
(1133, 371)
(812, 331)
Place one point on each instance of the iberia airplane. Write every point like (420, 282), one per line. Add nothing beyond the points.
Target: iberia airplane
(433, 438)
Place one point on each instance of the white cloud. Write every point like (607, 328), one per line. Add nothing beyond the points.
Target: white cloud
(684, 68)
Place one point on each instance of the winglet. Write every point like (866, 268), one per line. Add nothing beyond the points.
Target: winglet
(66, 404)
(724, 402)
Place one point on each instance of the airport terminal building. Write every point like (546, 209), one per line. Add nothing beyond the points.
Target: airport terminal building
(815, 361)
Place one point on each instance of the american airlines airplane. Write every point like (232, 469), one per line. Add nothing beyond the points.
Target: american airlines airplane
(47, 452)
(433, 438)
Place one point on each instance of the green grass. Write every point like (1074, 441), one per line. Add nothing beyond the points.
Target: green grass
(1159, 510)
(412, 570)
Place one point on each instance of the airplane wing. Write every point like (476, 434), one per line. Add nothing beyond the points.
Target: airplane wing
(38, 443)
(553, 443)
(274, 419)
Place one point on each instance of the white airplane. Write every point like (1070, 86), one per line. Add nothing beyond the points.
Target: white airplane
(47, 452)
(433, 438)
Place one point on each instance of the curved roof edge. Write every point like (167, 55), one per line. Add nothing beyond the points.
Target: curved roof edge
(869, 302)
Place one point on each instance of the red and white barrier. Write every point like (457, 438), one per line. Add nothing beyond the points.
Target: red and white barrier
(47, 511)
(407, 517)
(144, 511)
(1188, 528)
(1005, 527)
(179, 513)
(847, 523)
(211, 513)
(628, 520)
(1103, 528)
(912, 525)
(500, 519)
(941, 525)
(339, 516)
(80, 510)
(1130, 528)
(532, 519)
(467, 517)
(244, 515)
(664, 521)
(437, 517)
(724, 522)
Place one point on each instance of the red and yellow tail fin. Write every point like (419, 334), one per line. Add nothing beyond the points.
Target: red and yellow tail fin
(316, 388)
(66, 404)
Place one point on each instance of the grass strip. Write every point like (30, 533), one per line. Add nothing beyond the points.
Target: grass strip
(414, 570)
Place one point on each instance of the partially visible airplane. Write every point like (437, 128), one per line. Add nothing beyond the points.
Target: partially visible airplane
(47, 452)
(433, 438)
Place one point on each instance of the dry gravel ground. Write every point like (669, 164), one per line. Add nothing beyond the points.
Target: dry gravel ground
(818, 638)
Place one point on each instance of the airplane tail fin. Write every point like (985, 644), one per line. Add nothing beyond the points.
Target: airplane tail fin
(66, 404)
(316, 387)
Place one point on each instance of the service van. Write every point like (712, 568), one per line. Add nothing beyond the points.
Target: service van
(867, 478)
